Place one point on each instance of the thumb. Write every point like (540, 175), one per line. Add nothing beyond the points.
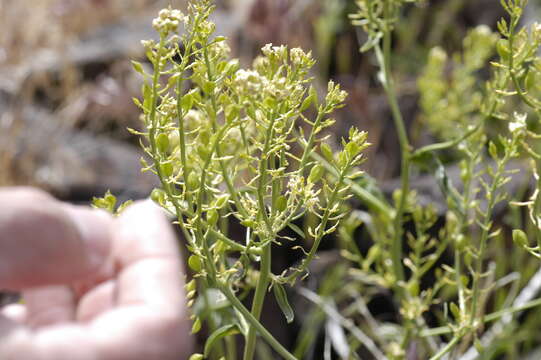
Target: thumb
(46, 242)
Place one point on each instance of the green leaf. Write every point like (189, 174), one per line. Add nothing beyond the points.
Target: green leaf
(446, 185)
(307, 101)
(241, 322)
(297, 230)
(281, 297)
(221, 201)
(316, 174)
(226, 330)
(196, 357)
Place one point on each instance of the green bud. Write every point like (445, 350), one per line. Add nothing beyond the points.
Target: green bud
(191, 285)
(502, 46)
(455, 311)
(196, 327)
(110, 199)
(196, 357)
(493, 150)
(137, 67)
(460, 242)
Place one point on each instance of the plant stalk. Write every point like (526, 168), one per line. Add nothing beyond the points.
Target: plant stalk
(259, 299)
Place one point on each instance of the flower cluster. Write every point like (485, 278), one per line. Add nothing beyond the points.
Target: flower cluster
(168, 21)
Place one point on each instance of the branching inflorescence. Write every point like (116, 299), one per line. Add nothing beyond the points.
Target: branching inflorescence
(235, 145)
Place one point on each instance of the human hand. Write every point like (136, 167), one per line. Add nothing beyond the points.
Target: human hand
(94, 287)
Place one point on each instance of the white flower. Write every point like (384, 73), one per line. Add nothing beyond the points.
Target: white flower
(519, 123)
(248, 80)
(297, 56)
(168, 20)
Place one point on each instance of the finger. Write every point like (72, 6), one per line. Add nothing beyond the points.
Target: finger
(146, 251)
(111, 337)
(44, 242)
(66, 342)
(141, 332)
(49, 305)
(96, 301)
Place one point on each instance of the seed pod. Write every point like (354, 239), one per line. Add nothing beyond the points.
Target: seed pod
(167, 169)
(162, 142)
(193, 181)
(212, 217)
(195, 263)
(158, 196)
(281, 203)
(520, 238)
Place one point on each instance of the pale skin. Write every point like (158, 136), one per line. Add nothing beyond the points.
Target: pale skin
(95, 287)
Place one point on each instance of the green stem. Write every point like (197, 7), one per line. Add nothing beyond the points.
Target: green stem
(447, 347)
(229, 183)
(259, 298)
(446, 144)
(265, 334)
(513, 72)
(385, 65)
